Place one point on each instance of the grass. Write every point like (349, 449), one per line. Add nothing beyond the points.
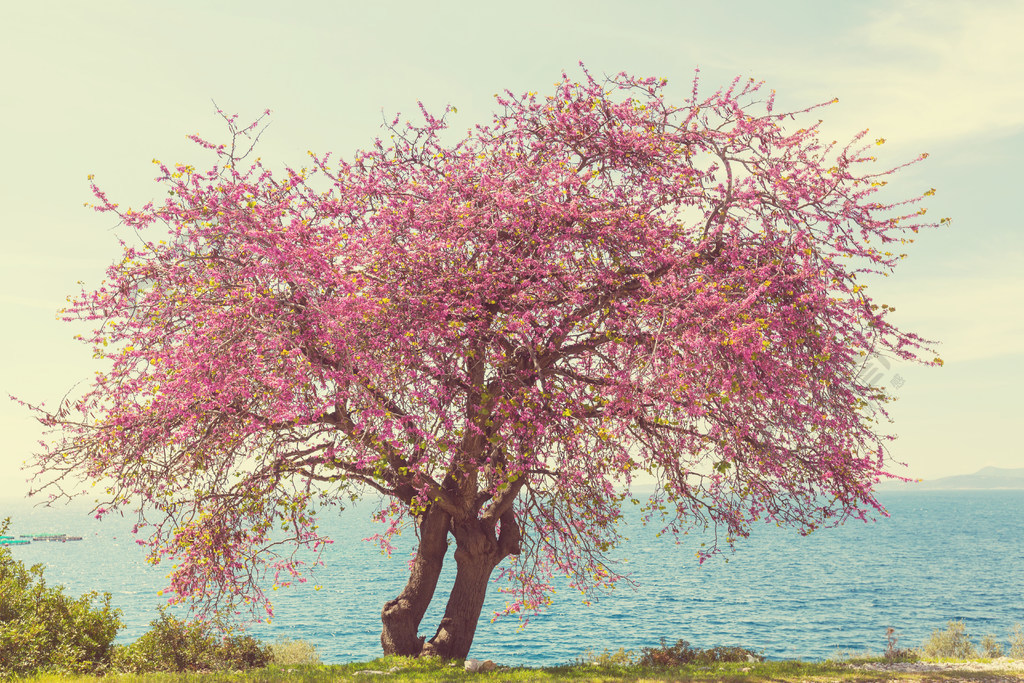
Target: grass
(404, 669)
(296, 660)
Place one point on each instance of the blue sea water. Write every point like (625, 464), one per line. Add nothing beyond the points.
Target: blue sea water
(939, 556)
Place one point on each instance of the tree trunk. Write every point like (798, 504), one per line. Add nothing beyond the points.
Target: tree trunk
(401, 617)
(477, 553)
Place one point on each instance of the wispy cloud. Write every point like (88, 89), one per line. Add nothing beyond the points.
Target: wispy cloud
(944, 69)
(920, 73)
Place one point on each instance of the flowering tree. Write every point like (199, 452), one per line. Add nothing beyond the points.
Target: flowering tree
(497, 336)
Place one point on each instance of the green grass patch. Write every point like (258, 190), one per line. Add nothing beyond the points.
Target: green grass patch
(433, 670)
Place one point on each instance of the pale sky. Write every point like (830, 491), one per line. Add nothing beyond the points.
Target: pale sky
(104, 87)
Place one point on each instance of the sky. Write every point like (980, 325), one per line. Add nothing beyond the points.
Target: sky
(105, 87)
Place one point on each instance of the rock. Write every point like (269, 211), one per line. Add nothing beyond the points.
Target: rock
(476, 666)
(376, 672)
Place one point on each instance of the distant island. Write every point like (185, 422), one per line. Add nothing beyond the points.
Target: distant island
(985, 478)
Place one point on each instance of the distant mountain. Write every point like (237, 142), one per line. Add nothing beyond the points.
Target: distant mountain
(985, 478)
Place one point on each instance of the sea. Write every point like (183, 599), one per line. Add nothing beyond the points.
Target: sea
(938, 556)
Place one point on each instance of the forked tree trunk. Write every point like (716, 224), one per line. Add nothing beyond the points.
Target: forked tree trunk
(477, 553)
(402, 616)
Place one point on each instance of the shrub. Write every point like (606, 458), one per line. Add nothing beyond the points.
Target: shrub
(894, 653)
(954, 643)
(683, 653)
(607, 658)
(990, 647)
(244, 652)
(294, 652)
(1017, 642)
(43, 629)
(175, 645)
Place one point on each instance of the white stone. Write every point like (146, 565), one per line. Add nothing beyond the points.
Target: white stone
(475, 665)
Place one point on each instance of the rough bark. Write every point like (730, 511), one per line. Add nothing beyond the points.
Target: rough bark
(477, 553)
(401, 617)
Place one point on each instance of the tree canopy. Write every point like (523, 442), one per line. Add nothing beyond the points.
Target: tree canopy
(498, 335)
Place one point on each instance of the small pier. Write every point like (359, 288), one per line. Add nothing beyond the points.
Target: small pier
(25, 539)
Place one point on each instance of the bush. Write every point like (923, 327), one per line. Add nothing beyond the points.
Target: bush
(43, 629)
(606, 658)
(953, 643)
(175, 645)
(245, 652)
(682, 653)
(1017, 642)
(990, 647)
(894, 653)
(294, 652)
